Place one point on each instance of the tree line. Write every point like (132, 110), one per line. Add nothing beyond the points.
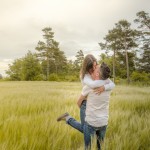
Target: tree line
(126, 50)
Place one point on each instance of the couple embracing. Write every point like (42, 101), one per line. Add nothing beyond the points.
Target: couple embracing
(93, 102)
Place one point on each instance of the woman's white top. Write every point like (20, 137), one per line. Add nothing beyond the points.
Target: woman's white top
(108, 85)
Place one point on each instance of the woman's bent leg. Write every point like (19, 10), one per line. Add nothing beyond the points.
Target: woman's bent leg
(74, 123)
(82, 113)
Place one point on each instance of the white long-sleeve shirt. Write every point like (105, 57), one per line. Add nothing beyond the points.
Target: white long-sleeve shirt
(108, 84)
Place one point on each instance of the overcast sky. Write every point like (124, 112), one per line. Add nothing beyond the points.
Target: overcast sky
(77, 24)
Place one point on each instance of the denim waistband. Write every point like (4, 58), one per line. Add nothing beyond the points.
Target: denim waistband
(96, 128)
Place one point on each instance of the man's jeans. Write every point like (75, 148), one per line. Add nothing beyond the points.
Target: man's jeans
(90, 132)
(87, 129)
(75, 124)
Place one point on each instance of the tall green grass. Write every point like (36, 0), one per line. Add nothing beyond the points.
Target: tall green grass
(28, 112)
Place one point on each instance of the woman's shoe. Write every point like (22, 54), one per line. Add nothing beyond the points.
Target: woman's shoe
(63, 117)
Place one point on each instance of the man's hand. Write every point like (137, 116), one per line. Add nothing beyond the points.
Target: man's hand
(99, 90)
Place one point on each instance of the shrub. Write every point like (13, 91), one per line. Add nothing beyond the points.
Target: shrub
(39, 77)
(53, 77)
(71, 78)
(142, 77)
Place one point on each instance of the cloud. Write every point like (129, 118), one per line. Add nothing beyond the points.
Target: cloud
(78, 24)
(4, 65)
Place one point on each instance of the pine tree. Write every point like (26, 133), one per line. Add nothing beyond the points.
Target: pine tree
(120, 39)
(111, 44)
(79, 60)
(46, 50)
(143, 20)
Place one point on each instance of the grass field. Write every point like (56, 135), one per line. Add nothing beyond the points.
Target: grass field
(28, 112)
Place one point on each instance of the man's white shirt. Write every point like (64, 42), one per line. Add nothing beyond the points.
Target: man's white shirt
(97, 107)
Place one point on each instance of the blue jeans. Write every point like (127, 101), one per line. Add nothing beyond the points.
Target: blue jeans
(75, 124)
(90, 132)
(84, 128)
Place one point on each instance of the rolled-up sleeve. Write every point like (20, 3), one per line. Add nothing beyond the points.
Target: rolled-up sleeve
(85, 90)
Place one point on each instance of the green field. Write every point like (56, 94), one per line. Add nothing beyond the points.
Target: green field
(28, 112)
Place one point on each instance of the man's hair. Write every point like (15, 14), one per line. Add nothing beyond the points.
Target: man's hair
(104, 71)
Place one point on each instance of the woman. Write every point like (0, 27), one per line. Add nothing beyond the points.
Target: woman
(88, 67)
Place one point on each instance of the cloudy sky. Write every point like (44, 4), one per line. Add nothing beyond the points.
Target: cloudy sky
(78, 24)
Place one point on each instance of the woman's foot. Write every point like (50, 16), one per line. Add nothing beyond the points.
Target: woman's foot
(63, 117)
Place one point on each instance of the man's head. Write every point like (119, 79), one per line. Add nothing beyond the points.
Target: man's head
(96, 73)
(104, 71)
(101, 72)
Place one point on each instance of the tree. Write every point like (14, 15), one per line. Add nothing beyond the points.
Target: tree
(121, 61)
(60, 61)
(31, 68)
(70, 67)
(143, 20)
(79, 60)
(26, 68)
(145, 60)
(127, 38)
(120, 39)
(111, 43)
(15, 70)
(46, 49)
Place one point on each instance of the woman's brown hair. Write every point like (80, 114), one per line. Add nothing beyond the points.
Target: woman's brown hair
(87, 65)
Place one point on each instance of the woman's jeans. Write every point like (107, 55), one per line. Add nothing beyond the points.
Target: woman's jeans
(90, 132)
(75, 124)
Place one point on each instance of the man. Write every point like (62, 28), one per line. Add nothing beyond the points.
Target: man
(97, 109)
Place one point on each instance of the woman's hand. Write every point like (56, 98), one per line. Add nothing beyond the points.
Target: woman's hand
(79, 102)
(99, 90)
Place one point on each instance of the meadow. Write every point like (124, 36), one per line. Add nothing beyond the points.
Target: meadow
(28, 113)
